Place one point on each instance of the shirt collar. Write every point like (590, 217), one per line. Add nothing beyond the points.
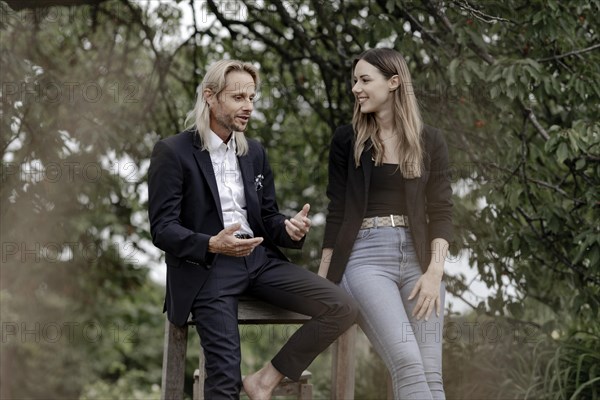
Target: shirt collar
(216, 143)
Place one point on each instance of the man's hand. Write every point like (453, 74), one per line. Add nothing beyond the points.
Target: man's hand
(226, 243)
(298, 226)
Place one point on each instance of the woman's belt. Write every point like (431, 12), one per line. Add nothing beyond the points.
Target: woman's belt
(388, 220)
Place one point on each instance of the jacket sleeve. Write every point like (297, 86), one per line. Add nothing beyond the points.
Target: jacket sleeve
(439, 190)
(336, 185)
(165, 192)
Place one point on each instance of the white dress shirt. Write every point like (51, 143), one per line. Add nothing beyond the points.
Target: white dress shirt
(229, 182)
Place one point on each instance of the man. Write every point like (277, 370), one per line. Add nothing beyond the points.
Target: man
(212, 210)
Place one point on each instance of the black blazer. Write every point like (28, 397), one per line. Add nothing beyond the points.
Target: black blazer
(428, 198)
(185, 211)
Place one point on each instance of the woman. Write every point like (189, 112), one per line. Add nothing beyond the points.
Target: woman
(390, 222)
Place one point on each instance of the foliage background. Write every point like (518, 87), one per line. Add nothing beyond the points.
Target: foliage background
(89, 86)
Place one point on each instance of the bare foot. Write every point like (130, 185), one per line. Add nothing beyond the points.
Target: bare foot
(260, 385)
(253, 388)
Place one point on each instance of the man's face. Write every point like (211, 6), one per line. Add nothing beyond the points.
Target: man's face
(231, 109)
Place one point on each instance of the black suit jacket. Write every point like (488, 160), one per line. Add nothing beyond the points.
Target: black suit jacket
(428, 198)
(185, 211)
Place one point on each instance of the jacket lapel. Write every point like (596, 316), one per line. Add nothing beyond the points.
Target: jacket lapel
(252, 206)
(366, 162)
(411, 187)
(204, 162)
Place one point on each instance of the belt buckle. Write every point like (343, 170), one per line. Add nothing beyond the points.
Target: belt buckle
(392, 218)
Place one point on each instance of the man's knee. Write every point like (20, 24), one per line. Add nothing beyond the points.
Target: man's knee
(351, 310)
(345, 312)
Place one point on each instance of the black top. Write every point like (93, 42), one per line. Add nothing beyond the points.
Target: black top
(386, 192)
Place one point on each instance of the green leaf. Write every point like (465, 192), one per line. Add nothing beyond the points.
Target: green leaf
(510, 78)
(466, 74)
(494, 91)
(513, 197)
(452, 70)
(562, 152)
(477, 39)
(516, 243)
(390, 5)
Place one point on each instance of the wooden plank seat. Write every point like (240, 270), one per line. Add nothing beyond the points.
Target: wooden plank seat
(256, 312)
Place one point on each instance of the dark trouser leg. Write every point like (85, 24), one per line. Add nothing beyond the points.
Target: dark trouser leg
(295, 288)
(215, 312)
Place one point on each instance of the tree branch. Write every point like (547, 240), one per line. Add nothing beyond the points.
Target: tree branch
(538, 182)
(570, 53)
(18, 133)
(440, 16)
(401, 12)
(228, 24)
(480, 15)
(531, 116)
(18, 5)
(523, 169)
(544, 238)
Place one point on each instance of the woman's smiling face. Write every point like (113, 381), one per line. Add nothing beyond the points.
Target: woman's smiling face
(372, 90)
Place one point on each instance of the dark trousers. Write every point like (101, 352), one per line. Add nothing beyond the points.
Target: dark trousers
(277, 282)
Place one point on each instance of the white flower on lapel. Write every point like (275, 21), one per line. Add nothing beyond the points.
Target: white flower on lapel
(258, 182)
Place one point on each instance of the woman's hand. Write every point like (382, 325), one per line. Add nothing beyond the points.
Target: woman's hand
(428, 290)
(428, 286)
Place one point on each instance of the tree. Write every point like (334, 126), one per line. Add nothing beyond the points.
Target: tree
(81, 95)
(514, 84)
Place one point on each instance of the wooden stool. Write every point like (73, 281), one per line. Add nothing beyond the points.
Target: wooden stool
(253, 311)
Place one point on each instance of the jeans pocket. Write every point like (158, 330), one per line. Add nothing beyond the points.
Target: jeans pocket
(363, 234)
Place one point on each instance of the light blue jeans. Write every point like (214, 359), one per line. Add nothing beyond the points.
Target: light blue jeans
(381, 272)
